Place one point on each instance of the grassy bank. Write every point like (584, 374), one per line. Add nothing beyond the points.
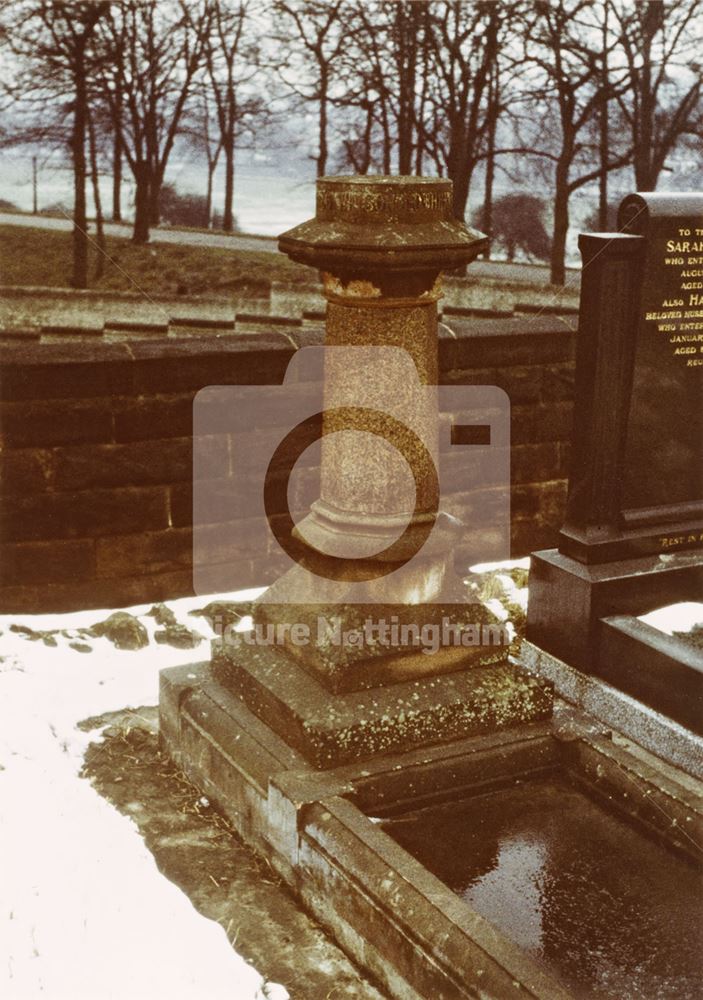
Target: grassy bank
(43, 257)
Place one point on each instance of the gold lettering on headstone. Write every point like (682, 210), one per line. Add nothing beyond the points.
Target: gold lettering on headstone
(671, 541)
(681, 303)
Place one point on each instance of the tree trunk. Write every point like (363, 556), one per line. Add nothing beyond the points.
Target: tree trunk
(322, 156)
(649, 13)
(95, 178)
(419, 151)
(35, 192)
(368, 134)
(405, 149)
(154, 198)
(117, 179)
(141, 203)
(459, 166)
(208, 195)
(406, 96)
(228, 214)
(117, 161)
(387, 140)
(603, 130)
(561, 224)
(643, 150)
(79, 278)
(424, 72)
(459, 171)
(487, 214)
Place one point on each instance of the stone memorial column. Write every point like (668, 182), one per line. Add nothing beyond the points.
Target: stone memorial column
(381, 244)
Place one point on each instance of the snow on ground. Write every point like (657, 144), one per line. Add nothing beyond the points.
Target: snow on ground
(508, 591)
(492, 567)
(85, 913)
(681, 617)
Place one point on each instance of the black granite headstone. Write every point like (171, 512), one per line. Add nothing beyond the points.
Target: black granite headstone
(663, 462)
(636, 484)
(632, 539)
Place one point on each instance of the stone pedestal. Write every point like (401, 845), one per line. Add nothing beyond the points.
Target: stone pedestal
(377, 530)
(381, 244)
(374, 557)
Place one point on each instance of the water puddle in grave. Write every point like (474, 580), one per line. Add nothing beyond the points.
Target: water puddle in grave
(610, 911)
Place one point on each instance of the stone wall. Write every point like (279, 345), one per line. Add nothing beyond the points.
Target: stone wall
(96, 466)
(57, 315)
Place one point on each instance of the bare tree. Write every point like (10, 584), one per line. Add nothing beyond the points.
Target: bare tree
(494, 108)
(357, 139)
(201, 131)
(662, 48)
(116, 113)
(95, 180)
(385, 80)
(313, 37)
(427, 84)
(465, 40)
(232, 60)
(54, 44)
(565, 46)
(366, 124)
(154, 53)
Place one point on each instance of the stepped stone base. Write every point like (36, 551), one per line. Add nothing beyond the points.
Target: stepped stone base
(331, 729)
(320, 829)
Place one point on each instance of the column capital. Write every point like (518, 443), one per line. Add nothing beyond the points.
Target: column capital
(398, 233)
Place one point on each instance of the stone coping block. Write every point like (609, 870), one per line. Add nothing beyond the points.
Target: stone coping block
(668, 740)
(320, 830)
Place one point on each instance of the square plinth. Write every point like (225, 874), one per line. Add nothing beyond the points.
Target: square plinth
(331, 729)
(355, 647)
